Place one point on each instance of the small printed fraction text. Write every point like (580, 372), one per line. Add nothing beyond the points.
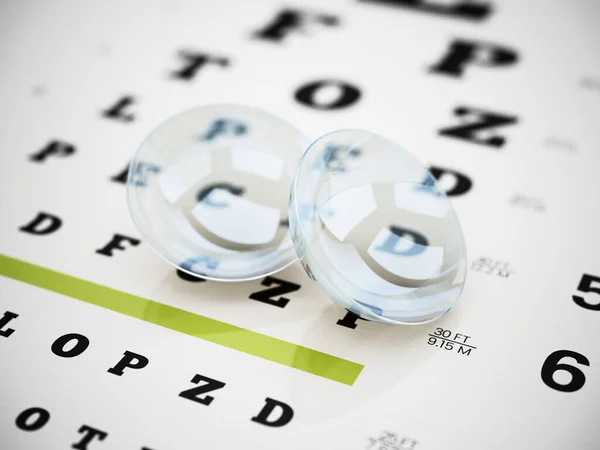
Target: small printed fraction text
(493, 267)
(391, 441)
(450, 341)
(527, 202)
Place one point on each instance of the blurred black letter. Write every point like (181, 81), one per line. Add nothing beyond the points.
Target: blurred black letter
(194, 62)
(464, 9)
(285, 416)
(33, 227)
(347, 95)
(463, 53)
(289, 20)
(482, 120)
(90, 434)
(115, 244)
(59, 148)
(117, 111)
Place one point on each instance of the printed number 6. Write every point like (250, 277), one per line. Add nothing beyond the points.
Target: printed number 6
(585, 285)
(551, 366)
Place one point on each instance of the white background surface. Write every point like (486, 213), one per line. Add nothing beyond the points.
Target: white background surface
(86, 55)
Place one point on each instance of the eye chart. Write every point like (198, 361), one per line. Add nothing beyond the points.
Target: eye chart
(103, 345)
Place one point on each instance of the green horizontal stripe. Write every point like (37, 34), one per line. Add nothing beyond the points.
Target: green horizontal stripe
(257, 344)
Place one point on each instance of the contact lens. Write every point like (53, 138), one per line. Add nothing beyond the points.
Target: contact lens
(209, 191)
(375, 232)
(232, 193)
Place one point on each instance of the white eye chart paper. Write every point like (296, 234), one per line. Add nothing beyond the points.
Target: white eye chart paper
(103, 345)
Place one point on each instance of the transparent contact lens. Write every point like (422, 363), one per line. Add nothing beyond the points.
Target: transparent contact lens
(372, 228)
(209, 190)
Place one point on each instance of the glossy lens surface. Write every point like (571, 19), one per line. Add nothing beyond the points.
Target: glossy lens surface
(373, 229)
(209, 190)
